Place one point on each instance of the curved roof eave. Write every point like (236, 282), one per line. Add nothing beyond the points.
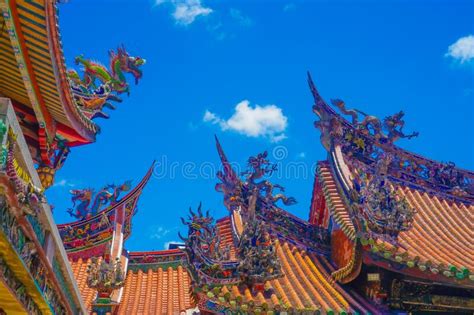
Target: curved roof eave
(84, 127)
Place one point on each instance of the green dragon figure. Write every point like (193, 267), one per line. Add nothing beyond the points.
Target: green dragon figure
(100, 85)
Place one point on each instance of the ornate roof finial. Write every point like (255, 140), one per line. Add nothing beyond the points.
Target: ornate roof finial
(105, 277)
(228, 171)
(99, 85)
(91, 203)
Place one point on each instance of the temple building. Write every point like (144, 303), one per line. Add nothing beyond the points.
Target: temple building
(388, 231)
(45, 110)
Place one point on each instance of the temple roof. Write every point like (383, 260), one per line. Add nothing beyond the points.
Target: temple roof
(260, 257)
(92, 237)
(79, 269)
(438, 246)
(442, 234)
(366, 141)
(155, 280)
(56, 107)
(427, 230)
(34, 72)
(156, 283)
(305, 286)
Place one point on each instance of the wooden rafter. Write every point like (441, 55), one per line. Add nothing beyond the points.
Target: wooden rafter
(46, 123)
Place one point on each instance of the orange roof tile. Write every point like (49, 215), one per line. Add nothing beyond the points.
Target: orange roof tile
(440, 241)
(79, 269)
(334, 201)
(442, 235)
(224, 229)
(156, 292)
(306, 285)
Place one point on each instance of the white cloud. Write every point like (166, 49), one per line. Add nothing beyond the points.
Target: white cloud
(462, 49)
(63, 183)
(240, 18)
(260, 121)
(158, 232)
(186, 11)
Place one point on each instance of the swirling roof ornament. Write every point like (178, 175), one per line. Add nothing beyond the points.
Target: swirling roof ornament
(367, 141)
(89, 202)
(99, 85)
(91, 236)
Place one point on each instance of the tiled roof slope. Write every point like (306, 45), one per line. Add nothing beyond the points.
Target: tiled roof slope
(224, 228)
(440, 243)
(442, 237)
(155, 291)
(160, 291)
(306, 285)
(79, 269)
(334, 201)
(448, 229)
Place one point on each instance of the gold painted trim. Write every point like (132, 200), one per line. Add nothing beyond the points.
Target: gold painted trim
(20, 271)
(11, 31)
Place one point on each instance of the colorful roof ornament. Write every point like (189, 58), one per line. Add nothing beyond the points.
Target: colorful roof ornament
(209, 262)
(256, 257)
(58, 152)
(400, 211)
(91, 202)
(370, 140)
(383, 211)
(98, 214)
(392, 125)
(100, 85)
(105, 276)
(237, 190)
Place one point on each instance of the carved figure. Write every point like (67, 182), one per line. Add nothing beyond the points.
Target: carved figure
(383, 211)
(259, 167)
(371, 125)
(92, 97)
(105, 276)
(258, 259)
(202, 235)
(90, 203)
(394, 125)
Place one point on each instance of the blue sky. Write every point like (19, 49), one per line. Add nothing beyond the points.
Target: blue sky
(206, 57)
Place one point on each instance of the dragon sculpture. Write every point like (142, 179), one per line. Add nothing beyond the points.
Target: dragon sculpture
(259, 167)
(383, 211)
(237, 190)
(203, 246)
(365, 139)
(393, 125)
(90, 203)
(91, 96)
(251, 196)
